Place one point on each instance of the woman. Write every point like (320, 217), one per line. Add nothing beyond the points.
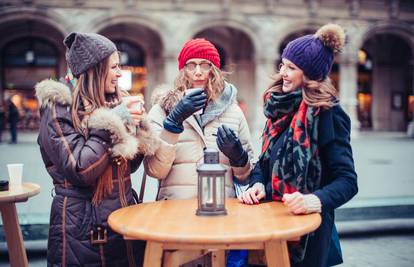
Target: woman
(90, 142)
(188, 134)
(306, 159)
(175, 118)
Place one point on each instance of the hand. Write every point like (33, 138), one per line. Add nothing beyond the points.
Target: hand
(230, 145)
(136, 108)
(299, 203)
(253, 195)
(189, 104)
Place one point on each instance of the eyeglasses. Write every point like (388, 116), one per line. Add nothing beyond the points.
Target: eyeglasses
(204, 66)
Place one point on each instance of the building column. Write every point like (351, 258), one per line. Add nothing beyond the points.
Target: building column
(348, 86)
(410, 128)
(264, 70)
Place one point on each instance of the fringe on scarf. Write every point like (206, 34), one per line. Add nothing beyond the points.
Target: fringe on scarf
(105, 185)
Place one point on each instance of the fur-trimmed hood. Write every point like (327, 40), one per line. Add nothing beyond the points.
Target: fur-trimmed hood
(49, 91)
(125, 144)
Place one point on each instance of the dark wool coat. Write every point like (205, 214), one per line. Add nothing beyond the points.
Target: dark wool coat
(75, 164)
(338, 183)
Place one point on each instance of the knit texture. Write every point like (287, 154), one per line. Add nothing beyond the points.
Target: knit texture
(198, 48)
(85, 50)
(312, 203)
(314, 54)
(311, 56)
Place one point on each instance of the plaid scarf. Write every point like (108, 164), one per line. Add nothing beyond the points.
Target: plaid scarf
(297, 166)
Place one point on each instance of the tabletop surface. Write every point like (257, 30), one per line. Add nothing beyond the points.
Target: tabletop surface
(175, 221)
(19, 193)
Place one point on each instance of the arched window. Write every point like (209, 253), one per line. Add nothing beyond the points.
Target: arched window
(26, 61)
(31, 52)
(134, 71)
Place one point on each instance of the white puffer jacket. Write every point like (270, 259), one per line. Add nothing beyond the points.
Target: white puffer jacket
(175, 163)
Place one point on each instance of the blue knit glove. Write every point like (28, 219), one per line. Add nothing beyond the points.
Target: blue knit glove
(230, 145)
(189, 104)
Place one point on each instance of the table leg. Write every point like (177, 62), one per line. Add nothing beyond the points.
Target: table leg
(179, 257)
(15, 245)
(218, 258)
(153, 254)
(277, 254)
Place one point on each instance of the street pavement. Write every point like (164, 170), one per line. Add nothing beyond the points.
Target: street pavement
(376, 227)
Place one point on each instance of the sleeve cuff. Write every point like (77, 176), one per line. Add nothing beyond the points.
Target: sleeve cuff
(169, 137)
(312, 203)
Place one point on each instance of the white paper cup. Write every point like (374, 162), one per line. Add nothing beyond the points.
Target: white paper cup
(198, 112)
(15, 173)
(136, 106)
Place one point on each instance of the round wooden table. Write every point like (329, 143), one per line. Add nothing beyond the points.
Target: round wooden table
(8, 199)
(172, 224)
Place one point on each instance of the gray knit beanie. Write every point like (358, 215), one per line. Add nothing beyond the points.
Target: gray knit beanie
(85, 50)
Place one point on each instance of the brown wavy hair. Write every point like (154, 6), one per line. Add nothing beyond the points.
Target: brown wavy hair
(215, 83)
(321, 94)
(90, 88)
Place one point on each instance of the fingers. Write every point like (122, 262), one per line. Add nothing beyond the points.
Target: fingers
(137, 118)
(196, 92)
(225, 134)
(295, 202)
(202, 97)
(219, 139)
(220, 133)
(229, 132)
(253, 195)
(246, 197)
(134, 111)
(131, 101)
(199, 104)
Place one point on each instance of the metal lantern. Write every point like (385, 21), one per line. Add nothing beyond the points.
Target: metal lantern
(211, 185)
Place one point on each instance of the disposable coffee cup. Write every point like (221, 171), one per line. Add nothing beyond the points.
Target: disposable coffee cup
(136, 106)
(190, 90)
(15, 173)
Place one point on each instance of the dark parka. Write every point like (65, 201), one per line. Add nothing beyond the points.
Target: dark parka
(75, 164)
(338, 183)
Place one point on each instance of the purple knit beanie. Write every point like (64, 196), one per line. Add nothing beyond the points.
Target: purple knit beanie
(314, 54)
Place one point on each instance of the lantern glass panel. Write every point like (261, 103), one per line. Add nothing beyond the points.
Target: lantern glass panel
(220, 191)
(207, 191)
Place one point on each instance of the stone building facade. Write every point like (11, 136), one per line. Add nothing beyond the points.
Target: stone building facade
(374, 73)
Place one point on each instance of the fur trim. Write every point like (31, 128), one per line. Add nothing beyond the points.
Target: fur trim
(170, 99)
(147, 142)
(52, 92)
(126, 145)
(159, 92)
(332, 35)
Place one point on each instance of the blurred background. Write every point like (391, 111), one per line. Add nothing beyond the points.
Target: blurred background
(374, 74)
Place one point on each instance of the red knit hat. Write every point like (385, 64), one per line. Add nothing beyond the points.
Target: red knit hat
(198, 48)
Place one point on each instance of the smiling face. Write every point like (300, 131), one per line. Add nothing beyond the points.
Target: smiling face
(114, 72)
(292, 76)
(198, 71)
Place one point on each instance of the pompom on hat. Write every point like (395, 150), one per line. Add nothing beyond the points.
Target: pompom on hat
(198, 48)
(314, 54)
(85, 50)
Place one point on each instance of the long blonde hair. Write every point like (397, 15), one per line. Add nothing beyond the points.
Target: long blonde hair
(215, 83)
(316, 94)
(90, 88)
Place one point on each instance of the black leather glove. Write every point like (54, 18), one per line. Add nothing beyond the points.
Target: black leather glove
(230, 145)
(189, 104)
